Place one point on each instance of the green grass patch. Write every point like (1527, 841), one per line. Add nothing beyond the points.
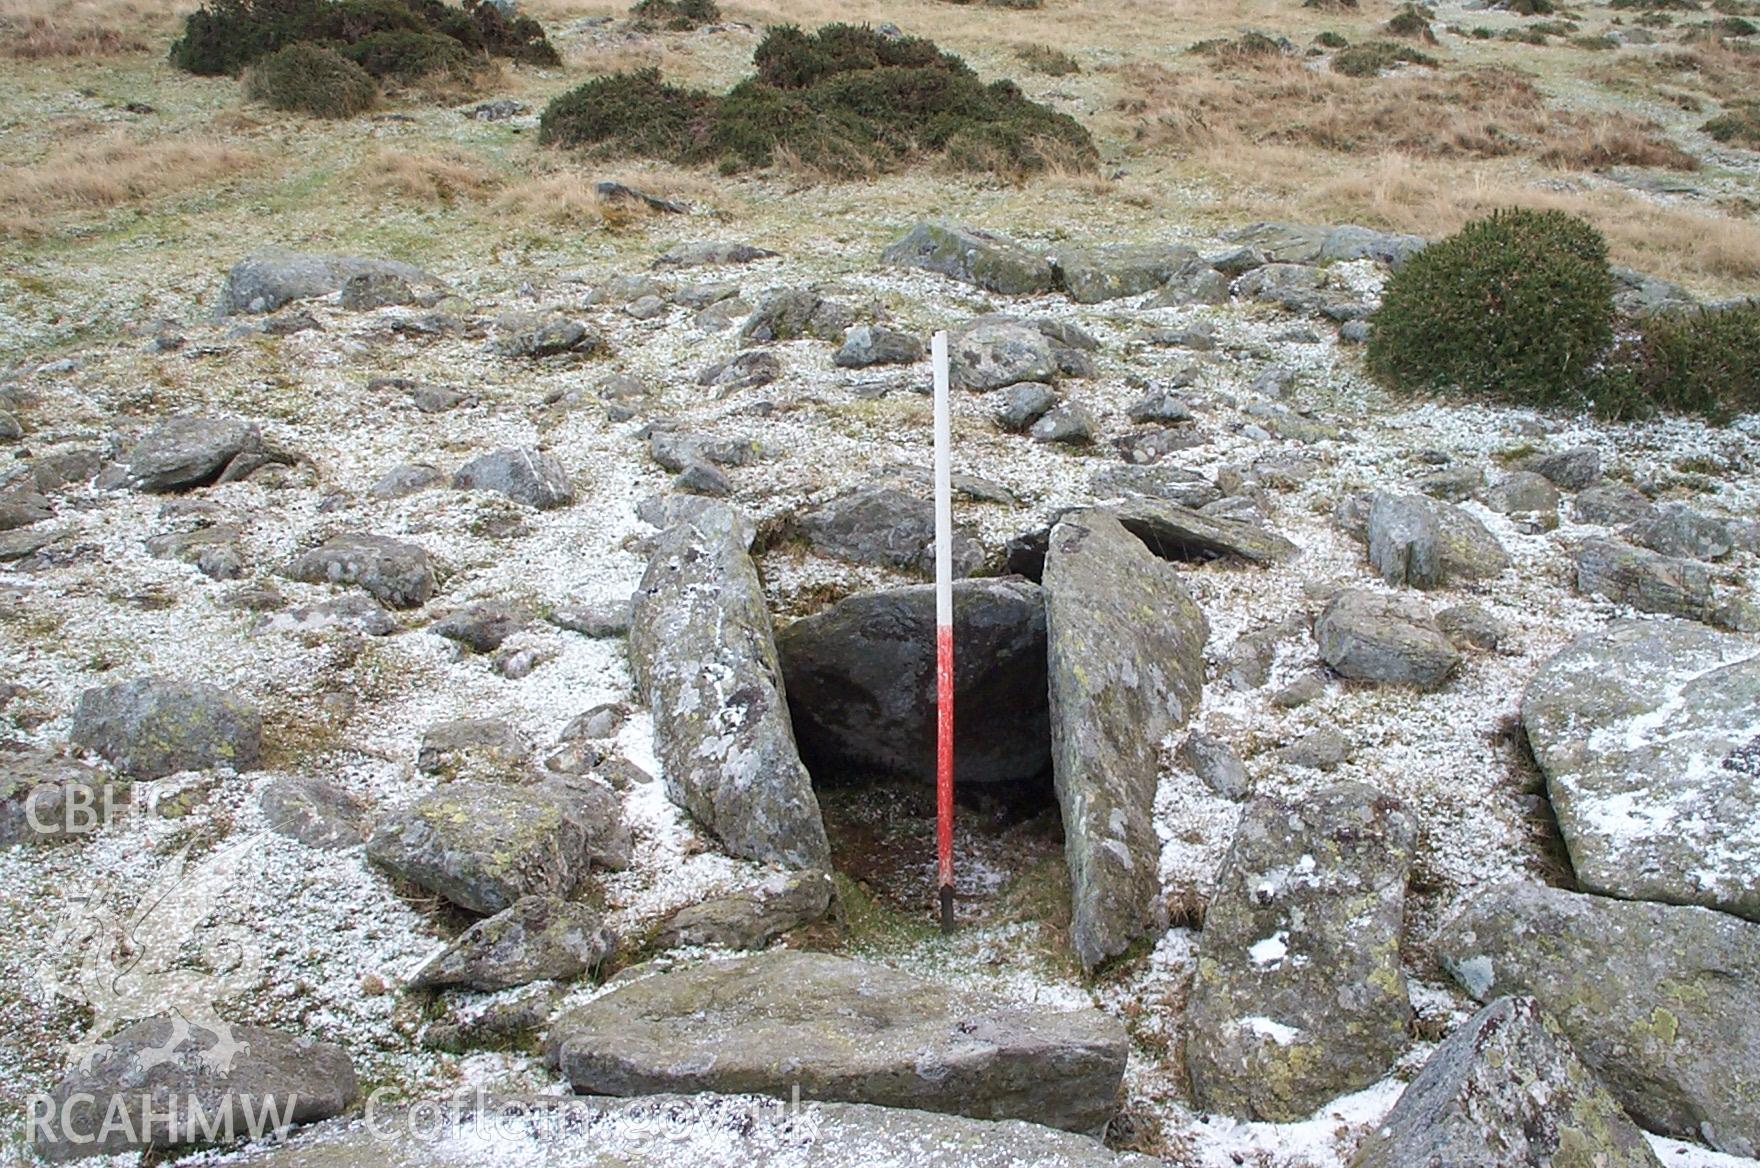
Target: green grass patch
(1371, 59)
(1738, 126)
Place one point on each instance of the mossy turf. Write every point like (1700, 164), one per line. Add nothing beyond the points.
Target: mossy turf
(846, 101)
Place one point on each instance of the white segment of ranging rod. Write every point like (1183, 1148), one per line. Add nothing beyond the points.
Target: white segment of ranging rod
(943, 489)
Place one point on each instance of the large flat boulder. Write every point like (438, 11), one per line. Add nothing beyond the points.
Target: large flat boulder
(845, 1031)
(1506, 1091)
(1300, 996)
(703, 653)
(1649, 734)
(266, 280)
(162, 1083)
(886, 528)
(156, 726)
(190, 450)
(861, 676)
(706, 1131)
(1113, 271)
(1126, 669)
(973, 257)
(1661, 1001)
(1175, 532)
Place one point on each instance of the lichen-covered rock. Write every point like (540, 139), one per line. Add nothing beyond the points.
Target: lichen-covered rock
(1366, 636)
(529, 476)
(267, 280)
(791, 314)
(1071, 423)
(484, 845)
(888, 528)
(1661, 1001)
(1522, 492)
(862, 679)
(1426, 543)
(1574, 469)
(157, 726)
(875, 344)
(147, 1082)
(753, 917)
(45, 798)
(189, 450)
(701, 253)
(842, 1030)
(1674, 529)
(474, 748)
(1649, 734)
(1645, 580)
(1018, 406)
(1506, 1091)
(313, 811)
(992, 353)
(212, 551)
(974, 257)
(1113, 271)
(708, 1131)
(483, 626)
(703, 653)
(536, 938)
(1174, 532)
(534, 336)
(1126, 669)
(398, 574)
(1299, 995)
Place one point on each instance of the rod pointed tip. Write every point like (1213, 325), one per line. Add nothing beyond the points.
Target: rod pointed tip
(947, 908)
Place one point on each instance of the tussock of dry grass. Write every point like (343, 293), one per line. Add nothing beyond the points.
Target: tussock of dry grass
(430, 176)
(37, 30)
(1474, 113)
(566, 197)
(112, 173)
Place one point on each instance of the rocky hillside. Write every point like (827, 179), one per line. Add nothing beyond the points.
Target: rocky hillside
(452, 651)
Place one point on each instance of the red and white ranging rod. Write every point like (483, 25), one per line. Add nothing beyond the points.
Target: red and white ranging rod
(943, 635)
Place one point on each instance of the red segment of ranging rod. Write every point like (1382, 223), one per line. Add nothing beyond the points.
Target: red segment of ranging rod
(943, 633)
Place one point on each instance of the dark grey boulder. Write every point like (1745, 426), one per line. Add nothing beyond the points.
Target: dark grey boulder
(753, 917)
(1611, 505)
(536, 938)
(795, 314)
(842, 1030)
(47, 798)
(1574, 469)
(212, 551)
(1649, 735)
(1174, 532)
(1300, 996)
(1506, 1091)
(875, 344)
(1161, 405)
(1126, 669)
(1645, 580)
(533, 336)
(1216, 764)
(22, 509)
(366, 291)
(313, 811)
(162, 1083)
(749, 370)
(398, 574)
(1367, 636)
(484, 845)
(529, 476)
(1018, 406)
(1191, 283)
(991, 353)
(710, 1131)
(1094, 274)
(885, 527)
(1521, 492)
(265, 281)
(1425, 543)
(483, 626)
(704, 657)
(190, 450)
(1662, 1002)
(973, 257)
(474, 748)
(1674, 529)
(157, 726)
(861, 676)
(1071, 424)
(1175, 484)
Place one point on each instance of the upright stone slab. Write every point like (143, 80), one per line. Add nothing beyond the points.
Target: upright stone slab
(1649, 734)
(703, 653)
(1661, 1001)
(1126, 669)
(1300, 997)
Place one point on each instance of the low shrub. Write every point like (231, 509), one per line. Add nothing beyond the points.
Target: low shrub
(844, 101)
(311, 79)
(1247, 47)
(1047, 60)
(406, 56)
(1412, 22)
(675, 15)
(1739, 125)
(1332, 40)
(1517, 307)
(1531, 7)
(1699, 361)
(1370, 59)
(223, 36)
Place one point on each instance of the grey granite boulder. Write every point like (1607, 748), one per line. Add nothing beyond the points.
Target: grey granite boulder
(1300, 996)
(1072, 424)
(875, 344)
(483, 626)
(703, 654)
(1662, 1002)
(701, 253)
(1576, 468)
(1367, 636)
(974, 257)
(755, 916)
(1018, 406)
(1674, 529)
(846, 1031)
(1649, 735)
(991, 353)
(1113, 271)
(536, 938)
(1426, 543)
(156, 726)
(885, 527)
(474, 748)
(398, 574)
(1645, 580)
(1174, 532)
(791, 314)
(1506, 1091)
(1521, 492)
(534, 336)
(1126, 669)
(862, 679)
(46, 798)
(707, 1131)
(162, 1083)
(484, 845)
(1611, 504)
(212, 551)
(313, 811)
(528, 476)
(267, 280)
(189, 450)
